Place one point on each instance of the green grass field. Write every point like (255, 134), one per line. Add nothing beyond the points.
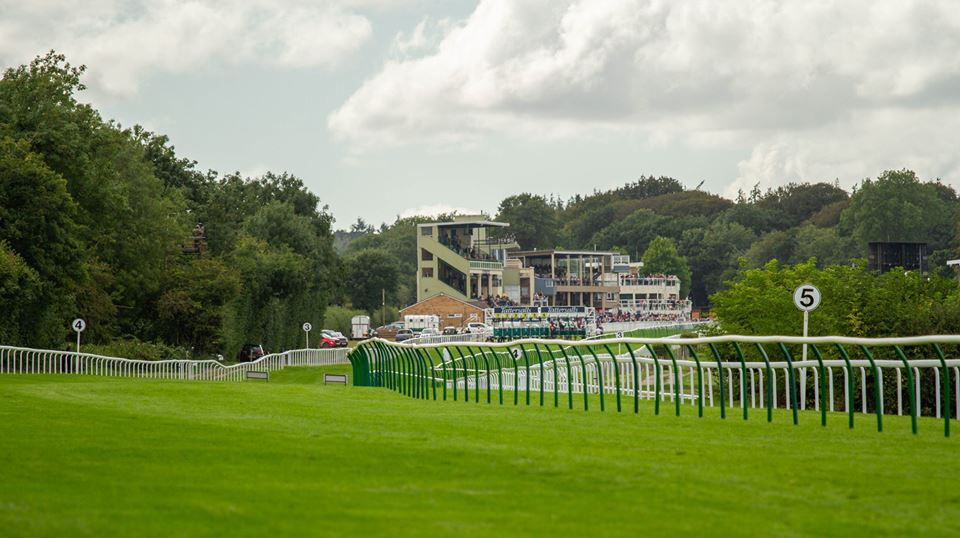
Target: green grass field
(120, 457)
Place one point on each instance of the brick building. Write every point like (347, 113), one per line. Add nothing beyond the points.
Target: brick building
(452, 312)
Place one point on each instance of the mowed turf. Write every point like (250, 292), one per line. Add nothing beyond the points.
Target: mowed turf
(292, 457)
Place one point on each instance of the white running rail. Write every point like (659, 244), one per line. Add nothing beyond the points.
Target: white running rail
(630, 326)
(18, 360)
(447, 339)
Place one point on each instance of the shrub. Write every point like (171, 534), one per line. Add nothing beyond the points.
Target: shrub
(131, 348)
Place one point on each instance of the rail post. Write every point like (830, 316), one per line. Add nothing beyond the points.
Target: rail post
(716, 355)
(676, 376)
(793, 388)
(823, 385)
(878, 403)
(946, 390)
(599, 376)
(656, 381)
(696, 359)
(616, 374)
(910, 391)
(583, 374)
(636, 380)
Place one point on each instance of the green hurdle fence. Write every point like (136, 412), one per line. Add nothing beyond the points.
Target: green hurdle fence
(732, 374)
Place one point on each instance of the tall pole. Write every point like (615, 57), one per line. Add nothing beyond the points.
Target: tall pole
(383, 307)
(806, 324)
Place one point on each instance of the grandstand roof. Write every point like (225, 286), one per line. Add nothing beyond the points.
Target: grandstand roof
(476, 304)
(547, 252)
(468, 220)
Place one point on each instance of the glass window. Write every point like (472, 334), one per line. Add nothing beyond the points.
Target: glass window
(426, 230)
(426, 255)
(427, 272)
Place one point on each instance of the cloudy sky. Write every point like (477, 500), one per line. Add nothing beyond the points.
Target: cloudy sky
(388, 107)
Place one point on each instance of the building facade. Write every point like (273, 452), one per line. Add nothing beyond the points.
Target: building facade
(653, 295)
(572, 277)
(460, 259)
(452, 312)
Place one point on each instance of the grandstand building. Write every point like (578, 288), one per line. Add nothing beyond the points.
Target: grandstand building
(572, 277)
(463, 259)
(653, 295)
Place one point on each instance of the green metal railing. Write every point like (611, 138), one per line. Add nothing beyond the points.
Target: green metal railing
(721, 371)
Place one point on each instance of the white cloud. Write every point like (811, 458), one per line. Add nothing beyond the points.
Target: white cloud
(856, 148)
(124, 42)
(817, 89)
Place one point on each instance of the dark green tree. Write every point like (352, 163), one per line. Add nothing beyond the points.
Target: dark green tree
(662, 257)
(42, 242)
(713, 253)
(368, 272)
(798, 202)
(897, 206)
(533, 222)
(633, 233)
(400, 241)
(191, 309)
(19, 294)
(776, 245)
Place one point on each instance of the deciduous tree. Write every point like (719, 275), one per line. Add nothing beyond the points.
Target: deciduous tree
(662, 257)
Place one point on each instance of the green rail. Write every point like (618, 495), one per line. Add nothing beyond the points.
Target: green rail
(417, 370)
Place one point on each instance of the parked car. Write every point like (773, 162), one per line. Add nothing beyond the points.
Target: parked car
(450, 331)
(478, 328)
(387, 331)
(330, 338)
(429, 331)
(403, 334)
(250, 352)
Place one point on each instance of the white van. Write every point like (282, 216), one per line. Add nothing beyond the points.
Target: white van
(419, 323)
(476, 327)
(360, 327)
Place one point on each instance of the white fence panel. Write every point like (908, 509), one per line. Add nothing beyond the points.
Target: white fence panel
(16, 360)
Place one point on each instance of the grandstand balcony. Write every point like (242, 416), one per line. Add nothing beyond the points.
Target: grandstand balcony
(655, 281)
(579, 277)
(486, 265)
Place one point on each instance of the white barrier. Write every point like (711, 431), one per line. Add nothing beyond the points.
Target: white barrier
(16, 360)
(630, 326)
(447, 339)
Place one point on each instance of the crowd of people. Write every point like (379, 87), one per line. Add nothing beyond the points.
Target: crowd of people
(655, 279)
(464, 251)
(538, 299)
(575, 279)
(623, 316)
(655, 304)
(498, 300)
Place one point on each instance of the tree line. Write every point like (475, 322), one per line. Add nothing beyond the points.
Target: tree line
(707, 239)
(94, 218)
